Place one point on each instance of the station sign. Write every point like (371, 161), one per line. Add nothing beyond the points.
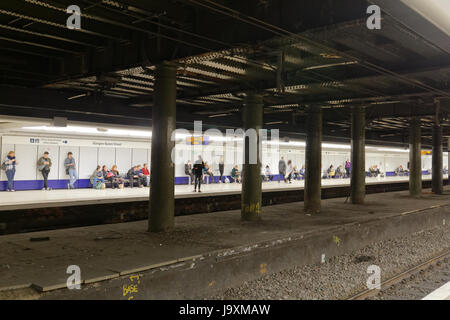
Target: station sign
(204, 140)
(66, 141)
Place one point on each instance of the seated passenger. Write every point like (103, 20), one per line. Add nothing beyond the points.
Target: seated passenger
(296, 173)
(235, 174)
(302, 172)
(104, 171)
(135, 174)
(374, 171)
(340, 172)
(97, 179)
(331, 172)
(115, 178)
(268, 174)
(146, 175)
(188, 171)
(400, 171)
(207, 171)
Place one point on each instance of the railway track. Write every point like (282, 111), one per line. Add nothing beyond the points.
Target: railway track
(414, 283)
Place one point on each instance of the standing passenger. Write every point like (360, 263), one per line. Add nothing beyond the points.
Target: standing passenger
(221, 167)
(289, 172)
(146, 175)
(71, 170)
(198, 172)
(347, 167)
(282, 169)
(9, 165)
(44, 163)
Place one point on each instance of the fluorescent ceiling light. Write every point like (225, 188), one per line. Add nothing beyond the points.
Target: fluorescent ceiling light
(435, 11)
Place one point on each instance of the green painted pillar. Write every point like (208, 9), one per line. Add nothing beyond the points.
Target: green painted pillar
(358, 156)
(251, 172)
(313, 161)
(162, 203)
(415, 158)
(437, 174)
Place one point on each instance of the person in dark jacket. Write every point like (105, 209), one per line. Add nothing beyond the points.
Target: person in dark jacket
(115, 178)
(221, 167)
(282, 168)
(199, 165)
(134, 173)
(44, 164)
(10, 164)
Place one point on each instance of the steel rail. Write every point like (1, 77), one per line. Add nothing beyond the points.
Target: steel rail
(399, 277)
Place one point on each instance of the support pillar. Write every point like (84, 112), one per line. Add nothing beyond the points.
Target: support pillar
(162, 199)
(313, 161)
(415, 158)
(437, 174)
(358, 157)
(251, 172)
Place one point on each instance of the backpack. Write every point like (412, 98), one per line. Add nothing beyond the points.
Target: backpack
(99, 185)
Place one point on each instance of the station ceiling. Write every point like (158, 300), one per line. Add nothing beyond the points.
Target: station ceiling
(296, 53)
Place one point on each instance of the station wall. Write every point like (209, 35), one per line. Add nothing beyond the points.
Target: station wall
(90, 152)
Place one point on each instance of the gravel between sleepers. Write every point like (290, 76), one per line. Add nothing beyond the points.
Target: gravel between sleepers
(342, 276)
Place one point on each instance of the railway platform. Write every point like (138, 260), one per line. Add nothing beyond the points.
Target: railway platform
(205, 252)
(25, 211)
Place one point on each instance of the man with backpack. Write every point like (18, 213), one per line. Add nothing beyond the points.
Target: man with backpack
(44, 163)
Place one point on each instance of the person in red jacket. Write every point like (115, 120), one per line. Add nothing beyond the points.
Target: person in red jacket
(146, 174)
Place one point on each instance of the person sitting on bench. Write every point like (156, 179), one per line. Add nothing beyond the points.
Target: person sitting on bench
(97, 178)
(188, 171)
(133, 174)
(236, 175)
(268, 174)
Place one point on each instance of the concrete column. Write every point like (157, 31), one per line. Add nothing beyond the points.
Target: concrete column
(358, 157)
(448, 159)
(251, 172)
(313, 161)
(415, 158)
(162, 204)
(437, 176)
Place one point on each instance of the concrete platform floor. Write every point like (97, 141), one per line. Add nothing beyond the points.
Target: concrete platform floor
(42, 199)
(107, 251)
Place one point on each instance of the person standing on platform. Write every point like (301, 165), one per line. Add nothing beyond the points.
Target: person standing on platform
(199, 165)
(282, 169)
(146, 175)
(347, 167)
(289, 172)
(221, 167)
(44, 164)
(71, 170)
(9, 165)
